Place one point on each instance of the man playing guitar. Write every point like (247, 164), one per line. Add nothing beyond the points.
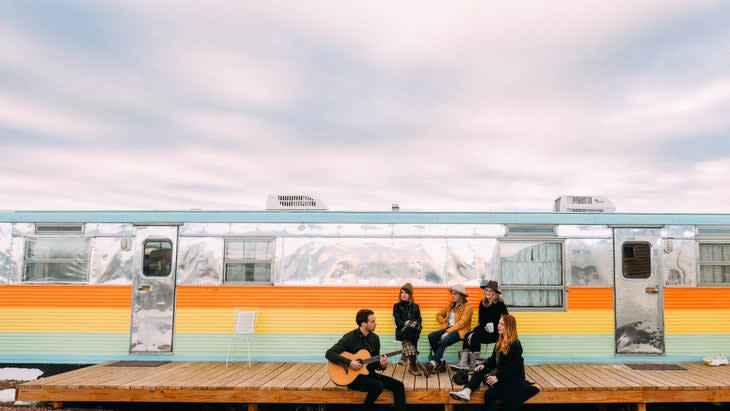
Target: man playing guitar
(373, 383)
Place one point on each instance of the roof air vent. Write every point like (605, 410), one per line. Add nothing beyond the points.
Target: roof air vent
(294, 202)
(583, 204)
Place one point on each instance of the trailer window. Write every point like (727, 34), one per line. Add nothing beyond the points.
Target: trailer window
(714, 264)
(248, 261)
(57, 259)
(532, 274)
(157, 260)
(636, 260)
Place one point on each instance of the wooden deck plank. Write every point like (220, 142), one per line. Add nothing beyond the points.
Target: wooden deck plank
(561, 381)
(226, 376)
(597, 378)
(621, 379)
(711, 379)
(310, 383)
(316, 373)
(646, 378)
(577, 379)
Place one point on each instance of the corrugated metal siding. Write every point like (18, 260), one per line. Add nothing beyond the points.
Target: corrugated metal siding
(66, 295)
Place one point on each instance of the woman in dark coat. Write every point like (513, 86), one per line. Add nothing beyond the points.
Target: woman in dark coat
(490, 309)
(504, 372)
(408, 325)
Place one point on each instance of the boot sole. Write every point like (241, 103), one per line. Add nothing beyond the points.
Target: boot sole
(456, 397)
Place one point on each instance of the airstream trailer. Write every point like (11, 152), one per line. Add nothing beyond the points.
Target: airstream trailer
(92, 286)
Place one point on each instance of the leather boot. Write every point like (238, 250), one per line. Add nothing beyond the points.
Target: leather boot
(473, 358)
(405, 345)
(464, 361)
(413, 366)
(440, 367)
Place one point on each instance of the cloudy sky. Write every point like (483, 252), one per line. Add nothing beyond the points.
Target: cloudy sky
(466, 105)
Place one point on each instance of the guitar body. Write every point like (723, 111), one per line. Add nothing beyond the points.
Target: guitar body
(342, 375)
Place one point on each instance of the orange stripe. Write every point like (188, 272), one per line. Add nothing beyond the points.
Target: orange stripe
(64, 295)
(306, 297)
(590, 298)
(696, 298)
(579, 298)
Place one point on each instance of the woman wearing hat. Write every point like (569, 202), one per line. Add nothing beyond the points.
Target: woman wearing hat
(491, 308)
(455, 320)
(407, 316)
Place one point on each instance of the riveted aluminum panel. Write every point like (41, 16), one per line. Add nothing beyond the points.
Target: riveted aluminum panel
(107, 229)
(6, 258)
(342, 230)
(679, 262)
(583, 231)
(468, 261)
(200, 260)
(589, 261)
(111, 264)
(360, 261)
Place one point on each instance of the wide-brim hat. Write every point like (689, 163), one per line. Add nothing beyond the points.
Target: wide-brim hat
(490, 284)
(459, 288)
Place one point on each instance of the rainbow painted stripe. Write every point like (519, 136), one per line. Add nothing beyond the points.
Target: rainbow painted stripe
(92, 322)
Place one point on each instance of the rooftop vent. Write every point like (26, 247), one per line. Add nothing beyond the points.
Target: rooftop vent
(293, 202)
(583, 204)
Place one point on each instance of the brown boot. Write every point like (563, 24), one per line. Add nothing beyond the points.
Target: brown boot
(413, 366)
(440, 368)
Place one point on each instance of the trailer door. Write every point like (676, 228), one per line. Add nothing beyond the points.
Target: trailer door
(638, 291)
(153, 293)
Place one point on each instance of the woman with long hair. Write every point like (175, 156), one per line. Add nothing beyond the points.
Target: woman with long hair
(490, 309)
(455, 322)
(408, 325)
(503, 372)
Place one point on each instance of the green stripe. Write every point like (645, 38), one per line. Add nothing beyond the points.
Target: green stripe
(64, 344)
(697, 344)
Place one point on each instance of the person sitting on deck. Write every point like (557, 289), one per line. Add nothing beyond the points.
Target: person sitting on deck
(455, 322)
(408, 326)
(503, 372)
(373, 383)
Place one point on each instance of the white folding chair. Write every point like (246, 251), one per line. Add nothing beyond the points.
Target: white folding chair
(243, 331)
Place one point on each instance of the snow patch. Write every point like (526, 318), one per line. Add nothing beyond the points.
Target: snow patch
(7, 395)
(20, 374)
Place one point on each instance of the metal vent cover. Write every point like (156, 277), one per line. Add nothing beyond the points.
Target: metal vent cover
(294, 202)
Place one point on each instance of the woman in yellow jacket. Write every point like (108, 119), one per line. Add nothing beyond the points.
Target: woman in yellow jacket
(455, 320)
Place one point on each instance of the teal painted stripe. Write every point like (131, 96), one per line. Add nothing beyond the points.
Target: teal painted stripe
(362, 217)
(697, 344)
(94, 348)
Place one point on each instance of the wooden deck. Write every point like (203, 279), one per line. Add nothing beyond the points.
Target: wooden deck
(309, 383)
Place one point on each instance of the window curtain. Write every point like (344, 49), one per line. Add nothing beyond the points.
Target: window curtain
(533, 265)
(714, 273)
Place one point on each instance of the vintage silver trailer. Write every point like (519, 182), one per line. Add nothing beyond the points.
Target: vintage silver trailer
(89, 286)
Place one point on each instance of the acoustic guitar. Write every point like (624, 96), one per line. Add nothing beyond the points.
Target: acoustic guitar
(343, 374)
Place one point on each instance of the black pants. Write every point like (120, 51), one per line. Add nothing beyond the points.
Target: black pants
(374, 384)
(479, 336)
(410, 334)
(510, 394)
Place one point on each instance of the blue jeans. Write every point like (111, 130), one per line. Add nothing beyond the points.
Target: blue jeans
(438, 346)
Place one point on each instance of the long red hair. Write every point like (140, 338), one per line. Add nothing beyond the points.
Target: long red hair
(509, 335)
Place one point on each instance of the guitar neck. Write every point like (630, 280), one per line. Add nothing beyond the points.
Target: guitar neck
(377, 357)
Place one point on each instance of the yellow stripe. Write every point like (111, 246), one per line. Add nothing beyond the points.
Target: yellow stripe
(272, 321)
(568, 322)
(697, 322)
(83, 320)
